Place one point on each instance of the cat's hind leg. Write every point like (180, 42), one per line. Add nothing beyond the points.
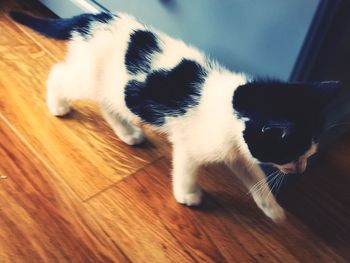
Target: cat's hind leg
(57, 101)
(127, 132)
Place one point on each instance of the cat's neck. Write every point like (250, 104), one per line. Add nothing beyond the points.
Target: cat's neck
(218, 90)
(216, 118)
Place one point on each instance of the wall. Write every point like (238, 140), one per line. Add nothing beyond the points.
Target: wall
(258, 37)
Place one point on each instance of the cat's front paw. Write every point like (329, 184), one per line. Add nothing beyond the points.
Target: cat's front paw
(271, 209)
(276, 213)
(189, 198)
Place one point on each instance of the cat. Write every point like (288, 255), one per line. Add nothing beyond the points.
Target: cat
(209, 113)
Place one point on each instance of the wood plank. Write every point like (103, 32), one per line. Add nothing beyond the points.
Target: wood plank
(225, 231)
(91, 157)
(211, 233)
(154, 227)
(58, 162)
(321, 199)
(55, 49)
(294, 237)
(231, 237)
(41, 219)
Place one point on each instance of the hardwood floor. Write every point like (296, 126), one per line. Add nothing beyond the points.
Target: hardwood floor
(70, 191)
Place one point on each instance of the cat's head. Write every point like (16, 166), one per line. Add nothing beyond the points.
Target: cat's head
(283, 121)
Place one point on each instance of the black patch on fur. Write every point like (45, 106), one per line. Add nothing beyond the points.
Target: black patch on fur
(142, 45)
(83, 22)
(61, 29)
(166, 93)
(291, 111)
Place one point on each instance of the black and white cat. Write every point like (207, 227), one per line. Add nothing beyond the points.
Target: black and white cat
(210, 114)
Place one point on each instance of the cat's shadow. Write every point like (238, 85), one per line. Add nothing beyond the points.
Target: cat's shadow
(321, 201)
(318, 201)
(90, 119)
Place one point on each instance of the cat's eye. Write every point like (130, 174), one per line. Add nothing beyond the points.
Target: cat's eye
(281, 130)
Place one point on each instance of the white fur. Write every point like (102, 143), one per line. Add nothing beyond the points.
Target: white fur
(94, 69)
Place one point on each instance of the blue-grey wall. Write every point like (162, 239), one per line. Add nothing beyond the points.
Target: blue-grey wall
(259, 37)
(255, 36)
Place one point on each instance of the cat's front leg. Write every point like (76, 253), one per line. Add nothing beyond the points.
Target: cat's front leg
(254, 179)
(185, 188)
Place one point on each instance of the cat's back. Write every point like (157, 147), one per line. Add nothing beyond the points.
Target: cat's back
(153, 73)
(125, 38)
(144, 49)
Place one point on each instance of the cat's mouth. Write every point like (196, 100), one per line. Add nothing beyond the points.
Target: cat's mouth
(300, 165)
(294, 167)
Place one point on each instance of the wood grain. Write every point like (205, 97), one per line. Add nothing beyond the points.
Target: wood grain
(166, 231)
(292, 238)
(70, 191)
(321, 199)
(237, 231)
(54, 49)
(41, 219)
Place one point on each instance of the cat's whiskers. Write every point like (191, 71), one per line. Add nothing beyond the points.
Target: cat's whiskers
(333, 125)
(263, 185)
(266, 188)
(270, 182)
(280, 183)
(256, 187)
(273, 184)
(277, 183)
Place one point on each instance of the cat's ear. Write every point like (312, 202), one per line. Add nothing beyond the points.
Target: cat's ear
(326, 91)
(281, 130)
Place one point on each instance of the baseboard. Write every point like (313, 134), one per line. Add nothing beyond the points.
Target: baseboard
(68, 8)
